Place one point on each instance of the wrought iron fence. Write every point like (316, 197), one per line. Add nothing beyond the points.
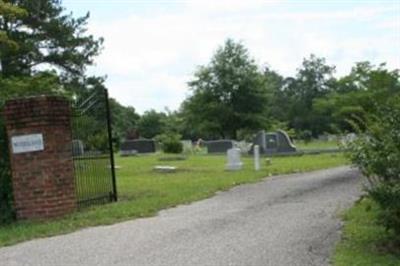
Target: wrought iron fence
(92, 149)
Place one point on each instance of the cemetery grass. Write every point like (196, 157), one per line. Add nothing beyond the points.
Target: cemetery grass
(364, 242)
(143, 192)
(316, 145)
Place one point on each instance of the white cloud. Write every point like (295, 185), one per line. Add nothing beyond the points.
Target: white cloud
(150, 59)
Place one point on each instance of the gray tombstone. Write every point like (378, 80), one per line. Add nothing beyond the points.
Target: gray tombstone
(234, 163)
(273, 142)
(77, 147)
(219, 146)
(131, 147)
(260, 140)
(284, 142)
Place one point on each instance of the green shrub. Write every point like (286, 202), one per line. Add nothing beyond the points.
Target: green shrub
(306, 135)
(377, 153)
(170, 143)
(388, 198)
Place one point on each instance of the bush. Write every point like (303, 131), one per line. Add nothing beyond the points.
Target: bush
(306, 135)
(377, 153)
(388, 198)
(170, 143)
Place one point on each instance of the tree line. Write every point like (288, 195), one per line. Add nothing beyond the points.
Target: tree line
(45, 50)
(232, 97)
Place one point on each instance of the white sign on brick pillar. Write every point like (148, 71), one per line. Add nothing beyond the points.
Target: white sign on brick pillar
(27, 143)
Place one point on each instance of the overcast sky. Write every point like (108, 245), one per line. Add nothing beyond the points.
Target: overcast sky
(152, 48)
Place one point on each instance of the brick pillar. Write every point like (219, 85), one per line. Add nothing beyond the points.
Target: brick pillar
(42, 176)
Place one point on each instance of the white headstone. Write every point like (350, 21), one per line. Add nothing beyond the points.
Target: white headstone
(187, 145)
(256, 157)
(234, 162)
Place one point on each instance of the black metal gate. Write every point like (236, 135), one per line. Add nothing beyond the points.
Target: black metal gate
(92, 149)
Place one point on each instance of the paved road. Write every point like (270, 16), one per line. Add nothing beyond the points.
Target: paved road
(284, 220)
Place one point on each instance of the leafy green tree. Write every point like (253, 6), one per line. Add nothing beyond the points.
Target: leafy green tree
(358, 94)
(10, 13)
(227, 95)
(124, 119)
(40, 34)
(175, 124)
(313, 80)
(151, 124)
(39, 40)
(278, 103)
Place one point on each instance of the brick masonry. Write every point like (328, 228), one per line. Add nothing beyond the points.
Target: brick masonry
(43, 181)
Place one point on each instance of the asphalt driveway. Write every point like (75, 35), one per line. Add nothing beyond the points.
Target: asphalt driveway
(283, 220)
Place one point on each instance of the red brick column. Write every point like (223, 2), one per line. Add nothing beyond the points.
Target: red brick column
(43, 179)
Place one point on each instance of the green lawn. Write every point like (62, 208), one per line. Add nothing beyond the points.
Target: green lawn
(143, 192)
(316, 145)
(365, 243)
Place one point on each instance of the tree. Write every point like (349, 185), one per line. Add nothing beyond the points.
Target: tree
(151, 124)
(278, 101)
(124, 119)
(10, 13)
(313, 80)
(227, 95)
(40, 34)
(174, 123)
(358, 94)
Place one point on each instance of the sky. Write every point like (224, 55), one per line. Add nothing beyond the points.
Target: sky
(153, 48)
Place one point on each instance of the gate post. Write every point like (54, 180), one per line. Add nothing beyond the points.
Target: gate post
(39, 133)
